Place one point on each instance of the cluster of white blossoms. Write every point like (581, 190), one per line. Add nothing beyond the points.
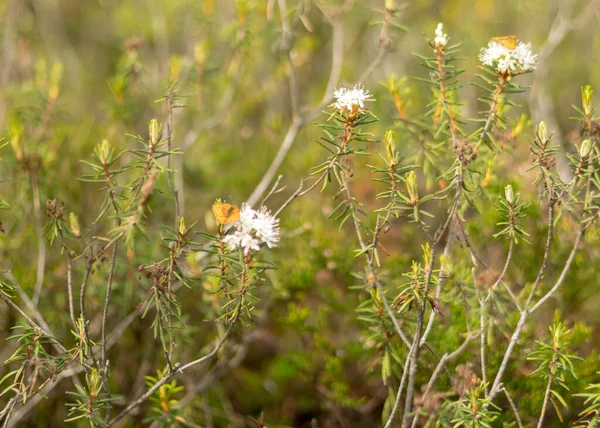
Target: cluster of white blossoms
(252, 229)
(351, 99)
(441, 38)
(505, 59)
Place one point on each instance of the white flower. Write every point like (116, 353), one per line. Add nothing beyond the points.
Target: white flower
(253, 228)
(244, 240)
(524, 55)
(441, 38)
(351, 99)
(505, 59)
(267, 227)
(506, 63)
(246, 221)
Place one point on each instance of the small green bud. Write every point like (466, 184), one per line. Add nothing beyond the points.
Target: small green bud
(154, 129)
(74, 225)
(104, 152)
(94, 380)
(412, 188)
(390, 148)
(390, 4)
(426, 254)
(181, 226)
(543, 131)
(509, 194)
(586, 99)
(585, 148)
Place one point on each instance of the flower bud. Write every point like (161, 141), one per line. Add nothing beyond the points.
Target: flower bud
(390, 148)
(586, 99)
(74, 225)
(154, 129)
(95, 380)
(104, 150)
(585, 148)
(412, 188)
(426, 254)
(509, 194)
(181, 226)
(543, 131)
(390, 4)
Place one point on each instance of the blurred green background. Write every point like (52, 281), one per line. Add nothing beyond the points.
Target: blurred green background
(307, 358)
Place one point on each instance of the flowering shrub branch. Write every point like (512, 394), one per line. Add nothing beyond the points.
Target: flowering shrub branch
(444, 302)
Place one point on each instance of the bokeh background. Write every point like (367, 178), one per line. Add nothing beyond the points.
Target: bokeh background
(306, 358)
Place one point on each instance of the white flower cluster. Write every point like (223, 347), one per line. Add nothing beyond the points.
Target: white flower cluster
(351, 99)
(506, 59)
(441, 38)
(252, 229)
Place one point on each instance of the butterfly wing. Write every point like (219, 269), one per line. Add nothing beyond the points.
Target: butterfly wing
(508, 41)
(225, 213)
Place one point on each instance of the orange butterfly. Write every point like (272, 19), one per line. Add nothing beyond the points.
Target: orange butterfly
(225, 213)
(508, 41)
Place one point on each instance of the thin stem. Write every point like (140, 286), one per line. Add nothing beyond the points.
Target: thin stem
(482, 344)
(70, 290)
(373, 273)
(33, 324)
(540, 274)
(109, 283)
(527, 312)
(41, 261)
(493, 109)
(513, 407)
(274, 189)
(546, 399)
(171, 373)
(563, 274)
(390, 419)
(84, 319)
(438, 290)
(501, 276)
(414, 355)
(288, 44)
(298, 120)
(288, 140)
(170, 106)
(438, 369)
(104, 361)
(301, 192)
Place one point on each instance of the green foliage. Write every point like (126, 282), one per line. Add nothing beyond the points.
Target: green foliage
(475, 410)
(90, 402)
(396, 294)
(512, 211)
(590, 414)
(555, 365)
(36, 366)
(163, 404)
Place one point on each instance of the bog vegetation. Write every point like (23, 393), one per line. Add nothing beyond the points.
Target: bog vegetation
(274, 213)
